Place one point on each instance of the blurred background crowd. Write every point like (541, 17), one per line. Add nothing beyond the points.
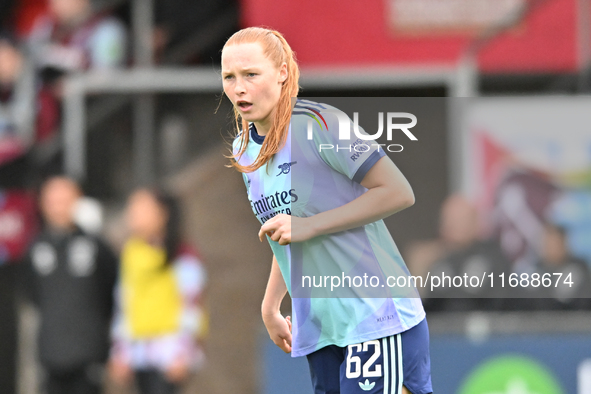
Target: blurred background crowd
(113, 131)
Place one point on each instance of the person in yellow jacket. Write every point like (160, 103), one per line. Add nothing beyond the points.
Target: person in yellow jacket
(160, 318)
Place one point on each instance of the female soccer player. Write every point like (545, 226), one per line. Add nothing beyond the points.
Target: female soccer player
(322, 211)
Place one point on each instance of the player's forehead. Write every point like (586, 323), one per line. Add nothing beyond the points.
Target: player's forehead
(243, 56)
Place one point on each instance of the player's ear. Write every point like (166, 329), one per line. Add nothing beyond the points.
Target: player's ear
(283, 72)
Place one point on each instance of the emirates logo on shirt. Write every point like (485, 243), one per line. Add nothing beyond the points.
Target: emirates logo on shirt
(271, 205)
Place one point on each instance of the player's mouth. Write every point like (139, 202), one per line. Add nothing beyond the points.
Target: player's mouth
(244, 106)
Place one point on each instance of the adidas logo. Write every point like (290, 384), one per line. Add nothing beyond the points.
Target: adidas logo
(366, 386)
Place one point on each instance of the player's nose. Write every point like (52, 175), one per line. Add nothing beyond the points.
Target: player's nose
(239, 87)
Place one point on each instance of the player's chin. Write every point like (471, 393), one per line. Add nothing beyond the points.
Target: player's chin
(248, 116)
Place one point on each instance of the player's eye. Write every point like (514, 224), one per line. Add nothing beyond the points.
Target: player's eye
(250, 74)
(228, 77)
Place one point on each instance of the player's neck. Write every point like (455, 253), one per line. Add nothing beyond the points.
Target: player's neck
(262, 128)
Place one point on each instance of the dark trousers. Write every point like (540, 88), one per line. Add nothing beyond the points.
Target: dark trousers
(75, 382)
(8, 331)
(154, 382)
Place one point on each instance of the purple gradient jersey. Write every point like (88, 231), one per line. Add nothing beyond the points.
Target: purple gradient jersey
(307, 177)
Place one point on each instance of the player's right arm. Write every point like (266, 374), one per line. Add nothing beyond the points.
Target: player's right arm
(278, 327)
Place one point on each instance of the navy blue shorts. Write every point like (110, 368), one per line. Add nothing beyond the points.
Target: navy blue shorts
(380, 366)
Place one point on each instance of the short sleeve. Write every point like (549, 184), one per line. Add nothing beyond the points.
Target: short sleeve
(339, 146)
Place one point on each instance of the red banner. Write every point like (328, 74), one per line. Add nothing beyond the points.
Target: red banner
(393, 32)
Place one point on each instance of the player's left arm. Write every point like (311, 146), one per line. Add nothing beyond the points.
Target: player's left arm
(388, 192)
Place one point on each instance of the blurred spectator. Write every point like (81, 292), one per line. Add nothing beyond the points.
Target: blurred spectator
(73, 38)
(17, 100)
(70, 278)
(19, 103)
(160, 315)
(18, 226)
(28, 114)
(462, 251)
(556, 259)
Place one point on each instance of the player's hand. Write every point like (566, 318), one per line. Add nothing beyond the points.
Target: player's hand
(120, 372)
(280, 227)
(279, 329)
(178, 372)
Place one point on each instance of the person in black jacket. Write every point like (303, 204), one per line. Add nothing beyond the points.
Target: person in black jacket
(464, 253)
(70, 275)
(568, 283)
